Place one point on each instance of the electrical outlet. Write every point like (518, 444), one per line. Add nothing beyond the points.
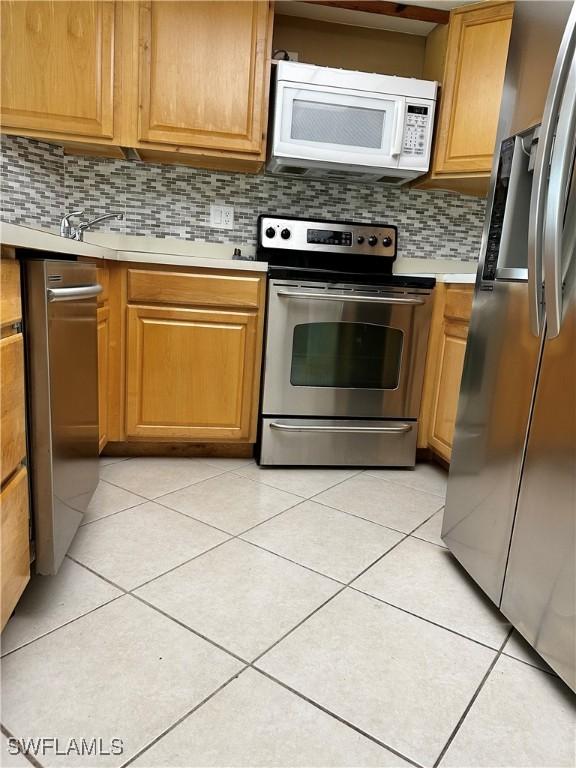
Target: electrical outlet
(293, 55)
(222, 216)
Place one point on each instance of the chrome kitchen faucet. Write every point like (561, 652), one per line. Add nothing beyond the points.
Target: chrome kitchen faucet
(77, 233)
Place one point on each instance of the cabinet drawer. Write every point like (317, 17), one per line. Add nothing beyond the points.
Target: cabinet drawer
(193, 289)
(15, 554)
(459, 303)
(12, 425)
(10, 304)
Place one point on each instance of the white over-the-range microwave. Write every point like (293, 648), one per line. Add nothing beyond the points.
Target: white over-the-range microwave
(343, 125)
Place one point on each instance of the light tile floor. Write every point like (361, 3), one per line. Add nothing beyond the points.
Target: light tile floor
(210, 613)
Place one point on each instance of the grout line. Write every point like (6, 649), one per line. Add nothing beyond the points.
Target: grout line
(190, 629)
(174, 490)
(229, 533)
(404, 537)
(404, 485)
(60, 626)
(299, 624)
(181, 719)
(531, 664)
(118, 460)
(126, 593)
(190, 517)
(95, 573)
(427, 541)
(164, 573)
(30, 758)
(143, 500)
(305, 498)
(423, 618)
(294, 562)
(362, 572)
(382, 525)
(337, 717)
(472, 700)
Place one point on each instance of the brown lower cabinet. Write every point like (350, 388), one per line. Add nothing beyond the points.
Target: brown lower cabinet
(182, 350)
(15, 545)
(190, 373)
(14, 504)
(444, 365)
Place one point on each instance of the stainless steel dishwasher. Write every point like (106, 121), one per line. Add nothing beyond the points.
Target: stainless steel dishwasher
(62, 371)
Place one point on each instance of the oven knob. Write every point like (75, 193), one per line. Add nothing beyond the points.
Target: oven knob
(270, 232)
(386, 241)
(360, 239)
(372, 240)
(285, 234)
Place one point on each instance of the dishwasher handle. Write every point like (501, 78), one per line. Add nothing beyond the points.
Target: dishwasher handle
(74, 293)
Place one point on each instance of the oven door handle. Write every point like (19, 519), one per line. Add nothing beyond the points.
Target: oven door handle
(352, 299)
(401, 429)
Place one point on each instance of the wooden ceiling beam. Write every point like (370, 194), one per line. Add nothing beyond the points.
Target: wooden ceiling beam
(398, 10)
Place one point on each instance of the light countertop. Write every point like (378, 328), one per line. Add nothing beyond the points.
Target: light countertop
(173, 251)
(147, 250)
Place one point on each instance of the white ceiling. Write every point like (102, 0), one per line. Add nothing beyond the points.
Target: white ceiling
(363, 19)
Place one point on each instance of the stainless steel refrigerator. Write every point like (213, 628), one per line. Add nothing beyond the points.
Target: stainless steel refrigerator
(510, 516)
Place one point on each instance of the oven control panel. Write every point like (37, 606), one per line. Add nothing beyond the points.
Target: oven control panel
(327, 236)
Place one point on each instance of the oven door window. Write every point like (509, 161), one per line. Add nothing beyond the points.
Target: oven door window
(346, 355)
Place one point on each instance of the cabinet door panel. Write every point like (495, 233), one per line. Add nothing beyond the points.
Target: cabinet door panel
(202, 73)
(103, 390)
(57, 66)
(15, 546)
(10, 303)
(472, 89)
(13, 425)
(452, 352)
(210, 356)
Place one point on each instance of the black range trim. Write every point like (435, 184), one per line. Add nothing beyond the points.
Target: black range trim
(331, 276)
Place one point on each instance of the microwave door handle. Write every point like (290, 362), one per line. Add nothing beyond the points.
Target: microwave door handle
(541, 168)
(398, 128)
(558, 241)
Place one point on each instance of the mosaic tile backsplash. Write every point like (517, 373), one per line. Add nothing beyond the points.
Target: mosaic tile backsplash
(39, 183)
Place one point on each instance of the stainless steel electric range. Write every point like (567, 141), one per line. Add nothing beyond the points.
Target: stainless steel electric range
(345, 346)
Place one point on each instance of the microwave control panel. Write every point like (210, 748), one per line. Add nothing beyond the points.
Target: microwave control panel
(416, 130)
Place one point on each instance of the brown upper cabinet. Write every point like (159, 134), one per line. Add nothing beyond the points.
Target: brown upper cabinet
(57, 62)
(202, 74)
(183, 81)
(469, 61)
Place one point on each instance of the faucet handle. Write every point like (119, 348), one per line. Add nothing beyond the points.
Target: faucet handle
(65, 226)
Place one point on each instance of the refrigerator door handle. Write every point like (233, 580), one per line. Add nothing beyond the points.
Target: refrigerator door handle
(560, 223)
(541, 171)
